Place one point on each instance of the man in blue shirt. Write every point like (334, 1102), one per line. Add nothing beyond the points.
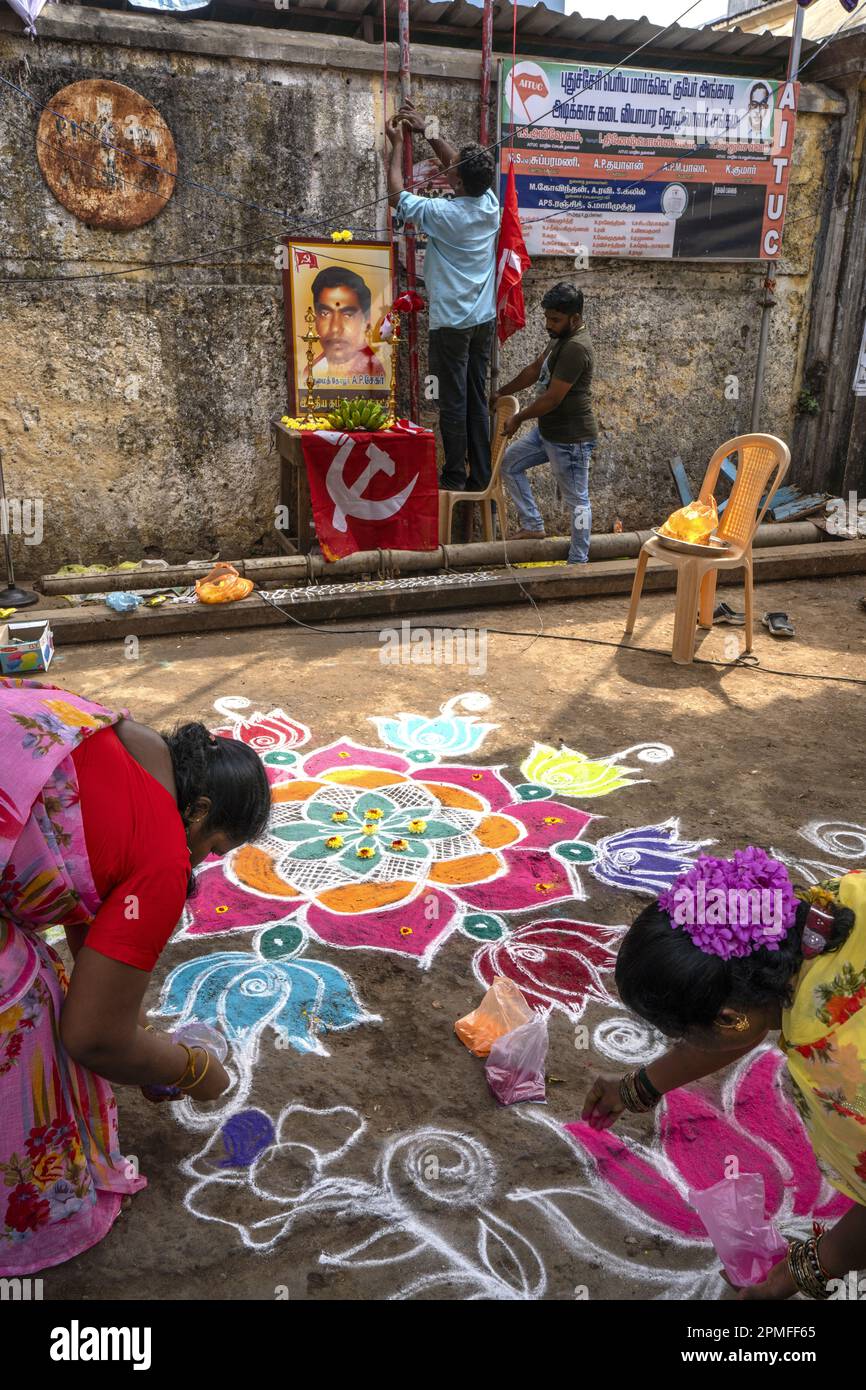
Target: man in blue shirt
(459, 272)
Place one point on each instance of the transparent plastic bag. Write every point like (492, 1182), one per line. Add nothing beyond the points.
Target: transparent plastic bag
(203, 1035)
(502, 1009)
(515, 1067)
(747, 1244)
(695, 522)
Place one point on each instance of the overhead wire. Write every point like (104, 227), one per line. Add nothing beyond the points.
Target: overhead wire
(341, 216)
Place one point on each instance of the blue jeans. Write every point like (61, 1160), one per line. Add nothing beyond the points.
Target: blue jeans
(570, 463)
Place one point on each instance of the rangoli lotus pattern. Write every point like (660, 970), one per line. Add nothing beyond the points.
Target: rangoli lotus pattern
(395, 849)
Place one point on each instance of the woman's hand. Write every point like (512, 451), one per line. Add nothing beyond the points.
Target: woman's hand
(216, 1080)
(777, 1285)
(603, 1105)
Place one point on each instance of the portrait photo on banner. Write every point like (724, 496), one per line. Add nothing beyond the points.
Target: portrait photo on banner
(348, 288)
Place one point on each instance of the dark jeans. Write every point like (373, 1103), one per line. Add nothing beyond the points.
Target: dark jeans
(459, 358)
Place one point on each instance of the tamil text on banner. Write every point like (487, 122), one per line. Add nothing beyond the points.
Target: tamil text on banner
(659, 165)
(373, 491)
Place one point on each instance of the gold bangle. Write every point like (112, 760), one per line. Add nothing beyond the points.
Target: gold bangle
(197, 1079)
(189, 1064)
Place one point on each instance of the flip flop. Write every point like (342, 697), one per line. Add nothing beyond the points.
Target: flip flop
(725, 614)
(779, 624)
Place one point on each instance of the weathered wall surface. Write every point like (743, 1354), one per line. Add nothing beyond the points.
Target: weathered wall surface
(137, 406)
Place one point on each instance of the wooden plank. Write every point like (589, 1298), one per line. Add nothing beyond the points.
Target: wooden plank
(798, 506)
(99, 624)
(835, 323)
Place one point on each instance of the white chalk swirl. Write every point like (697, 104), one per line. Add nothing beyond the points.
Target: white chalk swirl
(840, 837)
(443, 1165)
(474, 700)
(629, 1040)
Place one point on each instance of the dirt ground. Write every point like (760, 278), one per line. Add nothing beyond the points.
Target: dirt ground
(519, 1210)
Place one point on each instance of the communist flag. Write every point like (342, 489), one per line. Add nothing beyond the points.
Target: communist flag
(511, 261)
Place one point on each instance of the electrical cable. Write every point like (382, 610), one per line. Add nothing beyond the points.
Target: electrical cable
(740, 662)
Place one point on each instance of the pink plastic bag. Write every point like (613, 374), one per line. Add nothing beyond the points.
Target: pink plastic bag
(515, 1067)
(733, 1212)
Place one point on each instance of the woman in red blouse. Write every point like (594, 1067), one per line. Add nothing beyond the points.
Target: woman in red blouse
(102, 821)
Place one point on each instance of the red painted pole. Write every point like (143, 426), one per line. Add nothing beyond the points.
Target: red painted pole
(408, 180)
(486, 60)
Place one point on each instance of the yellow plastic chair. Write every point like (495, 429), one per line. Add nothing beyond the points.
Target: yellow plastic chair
(762, 462)
(506, 406)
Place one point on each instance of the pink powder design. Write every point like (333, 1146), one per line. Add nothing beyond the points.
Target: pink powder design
(698, 1138)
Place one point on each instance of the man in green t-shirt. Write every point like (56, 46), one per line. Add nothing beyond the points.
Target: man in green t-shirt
(564, 431)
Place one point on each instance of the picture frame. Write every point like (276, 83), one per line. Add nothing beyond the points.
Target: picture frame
(345, 312)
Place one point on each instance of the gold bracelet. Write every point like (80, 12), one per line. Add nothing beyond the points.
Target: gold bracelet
(189, 1065)
(197, 1079)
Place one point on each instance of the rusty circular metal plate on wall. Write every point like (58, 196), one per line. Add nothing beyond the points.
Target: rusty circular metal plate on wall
(80, 146)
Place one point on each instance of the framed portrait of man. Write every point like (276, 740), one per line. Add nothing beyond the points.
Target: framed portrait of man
(348, 287)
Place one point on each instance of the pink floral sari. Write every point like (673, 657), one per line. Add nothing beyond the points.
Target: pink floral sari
(63, 1175)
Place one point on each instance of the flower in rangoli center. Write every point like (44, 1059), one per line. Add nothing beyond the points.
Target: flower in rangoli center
(439, 842)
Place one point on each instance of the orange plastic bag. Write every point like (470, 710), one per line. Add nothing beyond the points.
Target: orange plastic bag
(695, 522)
(502, 1009)
(223, 585)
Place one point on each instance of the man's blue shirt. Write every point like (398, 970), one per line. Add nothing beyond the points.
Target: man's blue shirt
(460, 259)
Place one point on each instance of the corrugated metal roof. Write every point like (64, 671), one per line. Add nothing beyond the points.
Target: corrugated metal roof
(536, 24)
(540, 32)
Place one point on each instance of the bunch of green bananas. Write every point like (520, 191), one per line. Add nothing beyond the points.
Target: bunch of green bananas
(358, 415)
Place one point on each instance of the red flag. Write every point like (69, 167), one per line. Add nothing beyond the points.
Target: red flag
(306, 258)
(511, 261)
(373, 491)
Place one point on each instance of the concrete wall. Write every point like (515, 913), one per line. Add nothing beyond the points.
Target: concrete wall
(137, 406)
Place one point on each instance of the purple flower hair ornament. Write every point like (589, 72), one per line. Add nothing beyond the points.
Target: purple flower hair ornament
(732, 907)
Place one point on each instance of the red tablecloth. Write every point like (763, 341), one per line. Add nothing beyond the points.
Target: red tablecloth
(373, 491)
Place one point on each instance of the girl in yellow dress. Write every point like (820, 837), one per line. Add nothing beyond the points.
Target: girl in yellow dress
(729, 953)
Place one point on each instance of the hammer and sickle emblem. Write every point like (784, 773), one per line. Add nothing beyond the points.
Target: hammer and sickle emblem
(350, 501)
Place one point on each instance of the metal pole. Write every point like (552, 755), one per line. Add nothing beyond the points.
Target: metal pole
(770, 279)
(408, 178)
(494, 356)
(486, 58)
(11, 596)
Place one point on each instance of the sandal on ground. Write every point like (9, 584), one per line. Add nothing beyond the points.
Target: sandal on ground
(723, 613)
(779, 624)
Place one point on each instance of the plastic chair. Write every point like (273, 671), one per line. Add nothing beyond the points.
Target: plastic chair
(506, 406)
(762, 464)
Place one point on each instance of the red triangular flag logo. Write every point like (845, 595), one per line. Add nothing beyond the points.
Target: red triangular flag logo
(511, 262)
